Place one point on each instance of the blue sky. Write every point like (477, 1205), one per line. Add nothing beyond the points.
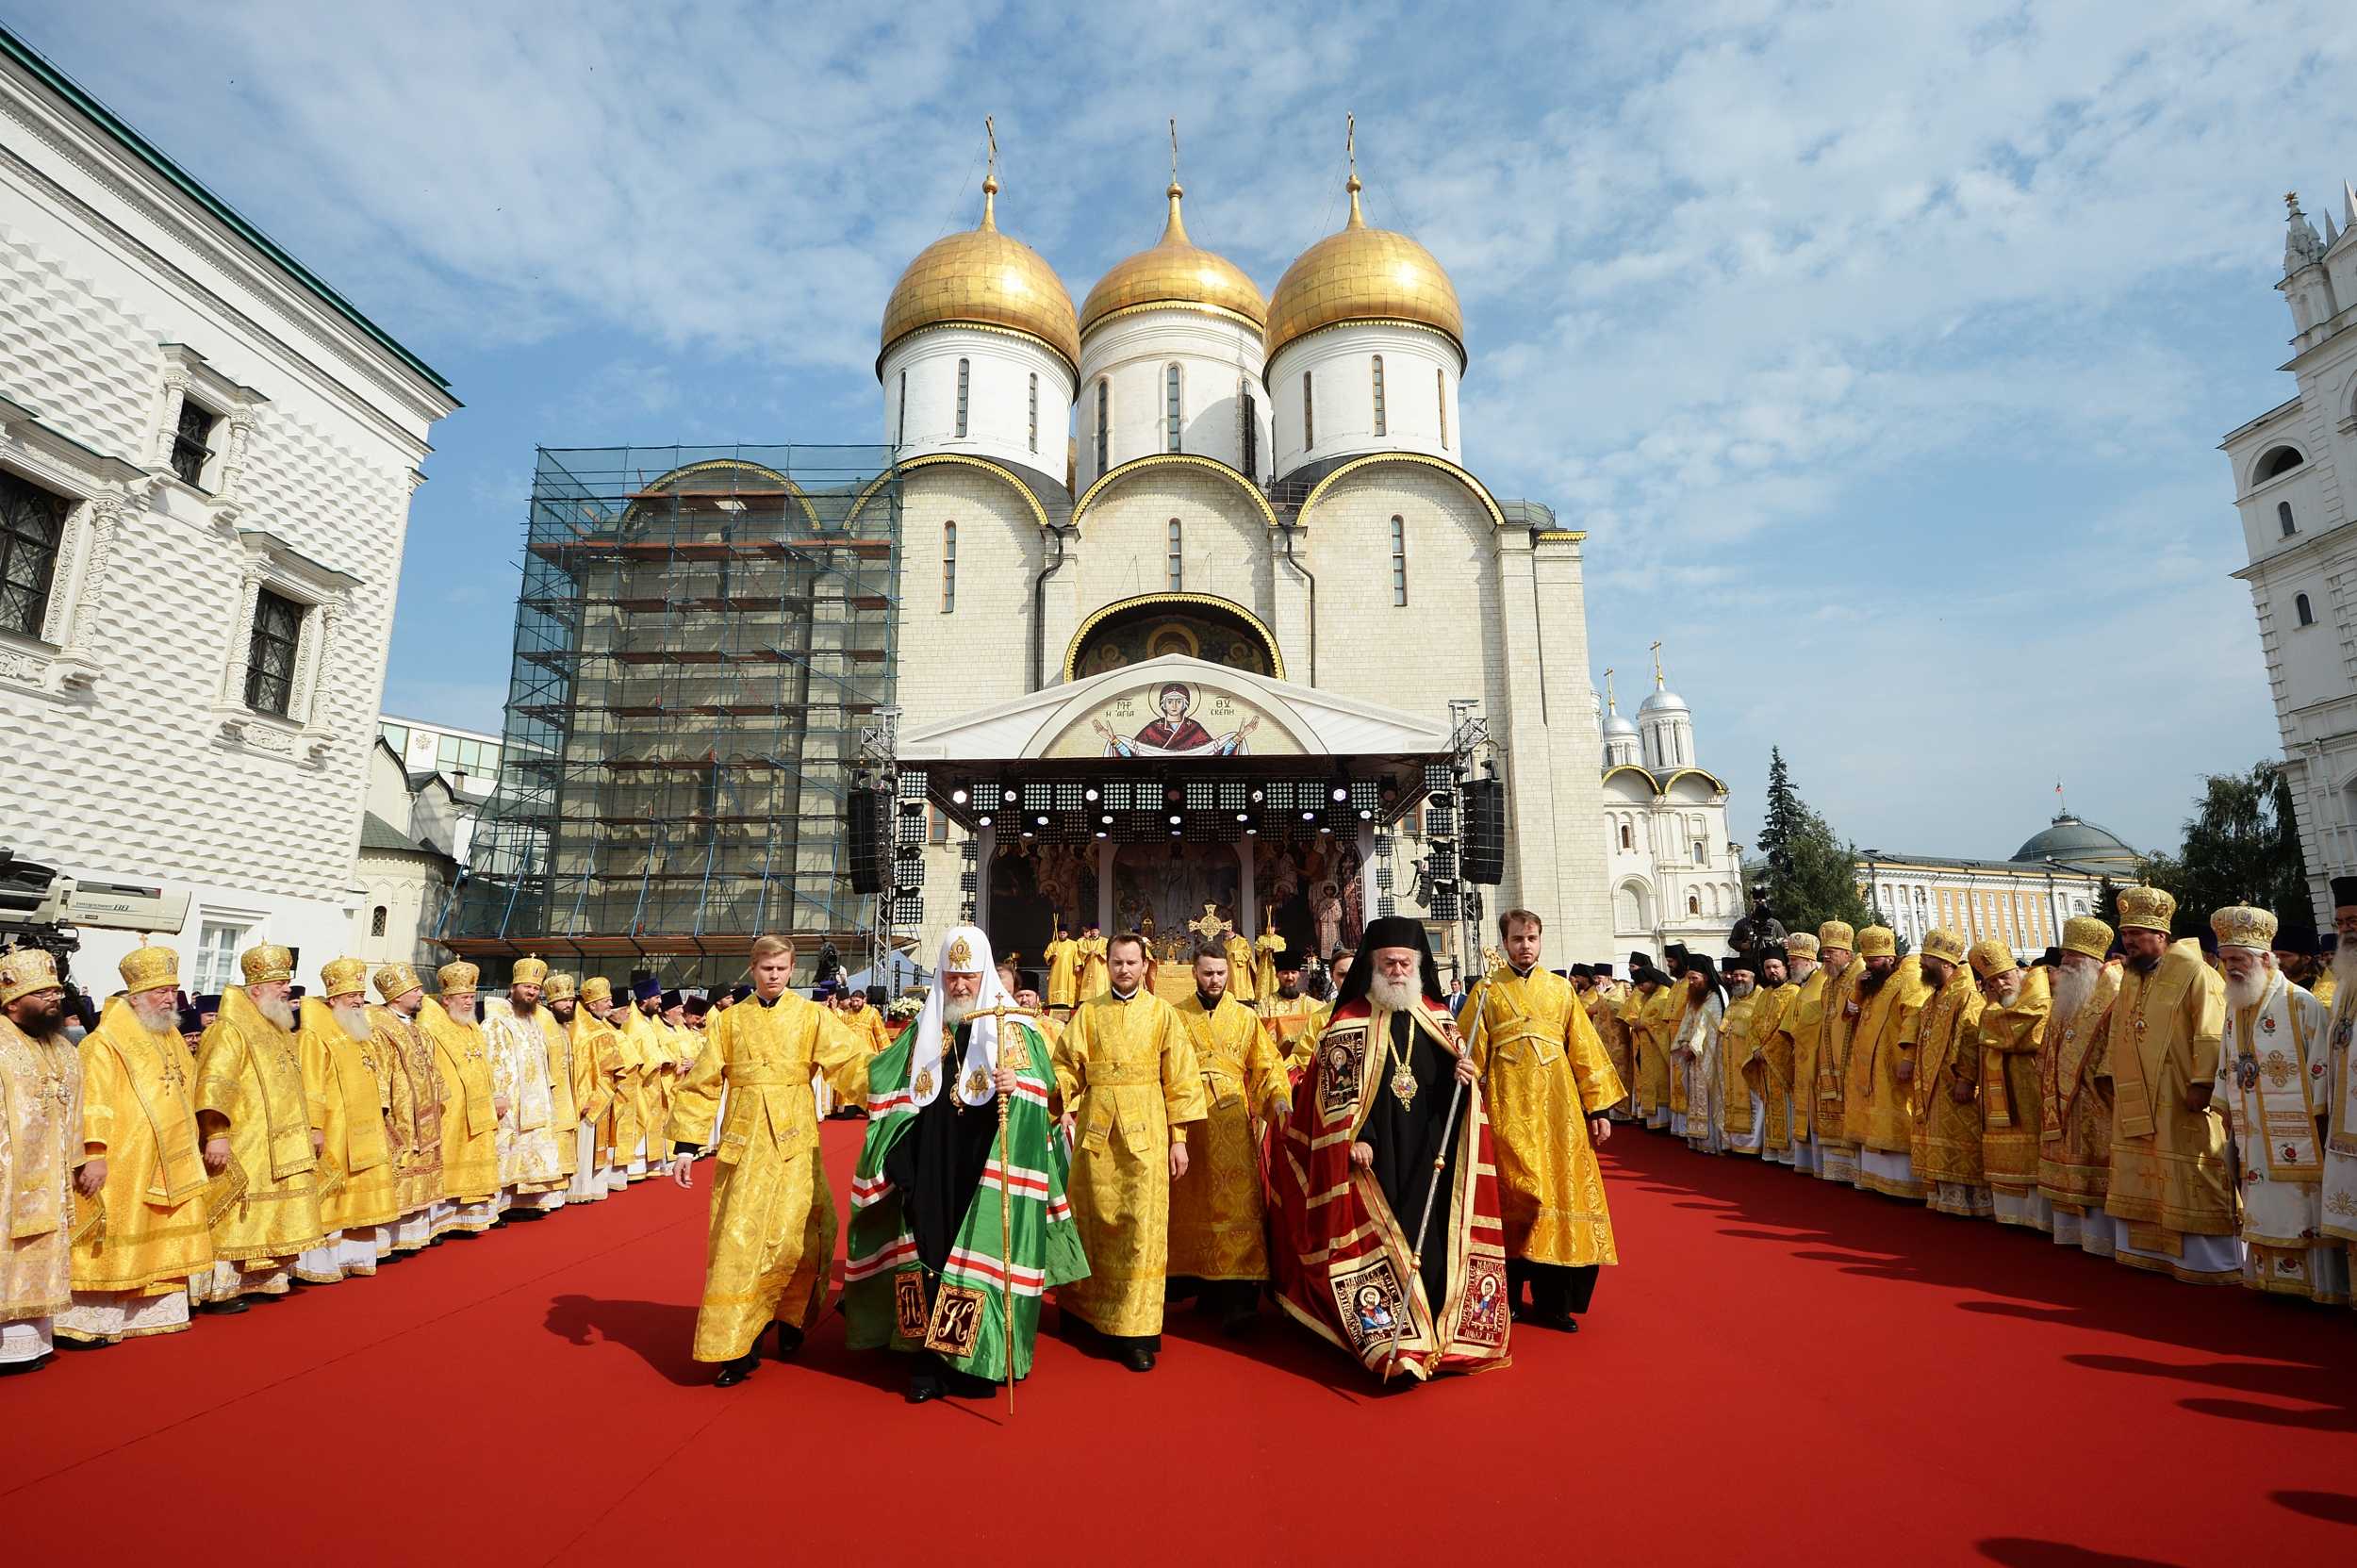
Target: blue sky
(1883, 351)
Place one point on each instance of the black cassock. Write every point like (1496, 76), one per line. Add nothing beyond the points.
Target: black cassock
(937, 1164)
(1406, 1139)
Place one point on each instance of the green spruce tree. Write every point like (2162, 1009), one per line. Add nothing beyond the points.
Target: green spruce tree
(1811, 875)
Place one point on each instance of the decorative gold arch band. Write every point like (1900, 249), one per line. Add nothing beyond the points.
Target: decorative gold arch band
(1464, 361)
(1480, 490)
(957, 459)
(1199, 600)
(1173, 459)
(732, 465)
(1061, 358)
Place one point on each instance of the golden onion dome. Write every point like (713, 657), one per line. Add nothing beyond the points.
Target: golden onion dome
(982, 278)
(1176, 272)
(1364, 274)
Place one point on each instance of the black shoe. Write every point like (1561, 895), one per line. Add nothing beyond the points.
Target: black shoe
(924, 1386)
(1137, 1358)
(230, 1308)
(77, 1345)
(528, 1215)
(789, 1339)
(1561, 1322)
(18, 1369)
(735, 1372)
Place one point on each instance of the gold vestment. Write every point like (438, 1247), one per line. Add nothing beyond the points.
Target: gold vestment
(2169, 1162)
(1880, 1109)
(2074, 1160)
(1217, 1215)
(2010, 1038)
(348, 1104)
(1543, 1074)
(1947, 1135)
(470, 1150)
(137, 1116)
(41, 1125)
(250, 1073)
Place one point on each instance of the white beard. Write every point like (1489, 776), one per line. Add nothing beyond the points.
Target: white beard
(2249, 989)
(278, 1010)
(1798, 971)
(2008, 991)
(1398, 996)
(1739, 990)
(2072, 987)
(354, 1019)
(460, 1012)
(158, 1012)
(953, 1012)
(2345, 968)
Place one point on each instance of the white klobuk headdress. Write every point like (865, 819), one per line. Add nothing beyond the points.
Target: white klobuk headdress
(964, 950)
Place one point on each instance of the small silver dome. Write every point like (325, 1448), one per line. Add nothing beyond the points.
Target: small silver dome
(1664, 702)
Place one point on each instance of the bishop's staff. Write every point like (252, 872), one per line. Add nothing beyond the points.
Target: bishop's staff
(1490, 959)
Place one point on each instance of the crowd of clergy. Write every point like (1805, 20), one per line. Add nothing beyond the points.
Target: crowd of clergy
(2182, 1105)
(289, 1141)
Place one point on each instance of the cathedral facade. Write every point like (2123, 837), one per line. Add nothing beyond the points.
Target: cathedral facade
(1196, 539)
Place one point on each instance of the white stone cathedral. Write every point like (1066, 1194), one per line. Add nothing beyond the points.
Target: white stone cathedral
(1262, 526)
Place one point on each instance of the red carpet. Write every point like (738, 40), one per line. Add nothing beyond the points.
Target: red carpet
(1780, 1371)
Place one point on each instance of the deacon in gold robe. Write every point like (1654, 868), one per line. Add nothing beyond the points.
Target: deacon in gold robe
(587, 1088)
(643, 1037)
(1739, 1108)
(1268, 950)
(143, 1170)
(863, 1015)
(2273, 1077)
(1242, 983)
(41, 1150)
(2074, 1090)
(1287, 1012)
(1546, 1083)
(1770, 1070)
(1946, 1151)
(254, 1114)
(414, 1094)
(2169, 1183)
(1821, 1055)
(1091, 950)
(622, 1137)
(1655, 1009)
(1604, 1001)
(1795, 1048)
(526, 1048)
(1879, 1091)
(1062, 954)
(1129, 1084)
(471, 1108)
(2340, 1141)
(1682, 1071)
(351, 1105)
(771, 1241)
(1218, 1220)
(2013, 1029)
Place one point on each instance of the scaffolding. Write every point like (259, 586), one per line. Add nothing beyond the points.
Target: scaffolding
(702, 635)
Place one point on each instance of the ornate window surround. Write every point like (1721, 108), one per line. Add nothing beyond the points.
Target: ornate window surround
(62, 661)
(186, 373)
(325, 595)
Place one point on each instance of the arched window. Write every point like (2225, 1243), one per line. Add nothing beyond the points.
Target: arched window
(1439, 385)
(1399, 560)
(1104, 406)
(1702, 852)
(2280, 460)
(1248, 432)
(376, 921)
(949, 568)
(1694, 904)
(1034, 410)
(1309, 412)
(1170, 408)
(901, 416)
(965, 372)
(1177, 559)
(1378, 395)
(2283, 516)
(2299, 607)
(1629, 838)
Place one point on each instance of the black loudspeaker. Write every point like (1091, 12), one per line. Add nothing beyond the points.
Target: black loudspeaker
(1483, 853)
(872, 843)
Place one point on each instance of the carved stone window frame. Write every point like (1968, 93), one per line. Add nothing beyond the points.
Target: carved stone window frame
(185, 375)
(324, 596)
(100, 491)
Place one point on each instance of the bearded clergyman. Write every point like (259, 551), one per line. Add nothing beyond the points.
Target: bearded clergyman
(959, 1217)
(1388, 1229)
(413, 1109)
(588, 1073)
(1879, 1093)
(1821, 1054)
(131, 1273)
(2074, 1087)
(1945, 1146)
(2273, 1076)
(526, 1048)
(255, 1117)
(2012, 1028)
(472, 1111)
(1217, 1219)
(2169, 1185)
(351, 1098)
(41, 1125)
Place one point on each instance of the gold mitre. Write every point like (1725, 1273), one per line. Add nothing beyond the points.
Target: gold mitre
(529, 971)
(1939, 942)
(457, 979)
(1800, 945)
(2241, 925)
(344, 977)
(1837, 933)
(149, 969)
(2085, 933)
(1877, 942)
(2145, 909)
(560, 987)
(25, 971)
(596, 988)
(396, 981)
(1991, 957)
(267, 965)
